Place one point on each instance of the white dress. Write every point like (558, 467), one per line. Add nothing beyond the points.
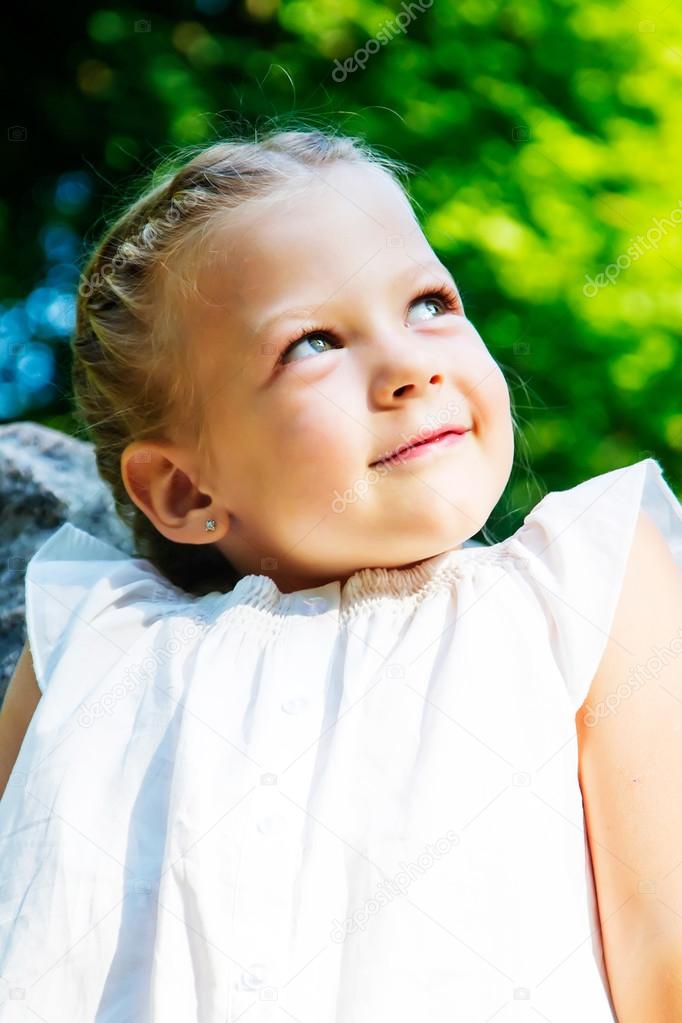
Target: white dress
(349, 804)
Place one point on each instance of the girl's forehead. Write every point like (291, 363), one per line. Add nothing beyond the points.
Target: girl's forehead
(340, 218)
(347, 225)
(357, 200)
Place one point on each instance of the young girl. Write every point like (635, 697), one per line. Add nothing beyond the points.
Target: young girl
(310, 755)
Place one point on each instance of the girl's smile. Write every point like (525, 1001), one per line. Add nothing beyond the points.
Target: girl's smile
(418, 449)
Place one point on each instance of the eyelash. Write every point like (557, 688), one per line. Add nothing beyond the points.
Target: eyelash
(445, 293)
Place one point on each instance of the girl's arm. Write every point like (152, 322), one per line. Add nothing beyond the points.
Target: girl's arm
(630, 774)
(21, 700)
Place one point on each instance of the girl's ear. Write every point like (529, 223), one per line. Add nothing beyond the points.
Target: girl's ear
(159, 479)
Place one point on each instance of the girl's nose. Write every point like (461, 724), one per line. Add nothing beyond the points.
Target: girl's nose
(405, 369)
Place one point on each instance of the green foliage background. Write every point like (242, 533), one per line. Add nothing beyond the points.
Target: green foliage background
(545, 137)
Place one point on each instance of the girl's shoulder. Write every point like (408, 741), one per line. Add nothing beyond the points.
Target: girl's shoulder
(589, 527)
(72, 581)
(575, 545)
(614, 496)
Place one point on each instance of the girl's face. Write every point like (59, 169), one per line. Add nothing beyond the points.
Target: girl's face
(295, 427)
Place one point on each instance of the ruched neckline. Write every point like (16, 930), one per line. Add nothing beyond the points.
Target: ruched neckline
(405, 585)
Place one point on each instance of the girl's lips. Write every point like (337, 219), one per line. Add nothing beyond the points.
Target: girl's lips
(423, 448)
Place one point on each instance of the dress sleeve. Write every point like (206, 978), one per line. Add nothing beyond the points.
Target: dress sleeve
(71, 582)
(576, 543)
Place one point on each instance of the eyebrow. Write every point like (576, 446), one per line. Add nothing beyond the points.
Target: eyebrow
(305, 312)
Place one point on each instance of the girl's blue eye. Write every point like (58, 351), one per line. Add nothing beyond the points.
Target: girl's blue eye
(445, 295)
(426, 299)
(309, 337)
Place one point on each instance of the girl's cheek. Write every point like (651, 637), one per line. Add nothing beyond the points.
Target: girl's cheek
(301, 425)
(495, 377)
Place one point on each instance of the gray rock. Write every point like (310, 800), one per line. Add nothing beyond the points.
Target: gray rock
(46, 478)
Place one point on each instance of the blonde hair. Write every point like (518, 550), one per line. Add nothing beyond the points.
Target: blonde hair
(131, 374)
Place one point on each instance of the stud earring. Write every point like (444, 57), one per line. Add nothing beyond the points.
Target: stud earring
(209, 525)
